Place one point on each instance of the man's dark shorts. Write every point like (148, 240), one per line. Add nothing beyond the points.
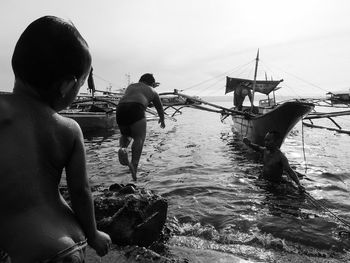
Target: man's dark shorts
(129, 113)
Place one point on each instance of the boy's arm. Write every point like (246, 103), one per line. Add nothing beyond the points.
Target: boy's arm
(291, 172)
(80, 194)
(254, 146)
(159, 107)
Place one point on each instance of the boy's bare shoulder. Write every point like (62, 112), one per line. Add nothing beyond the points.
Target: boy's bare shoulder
(68, 124)
(15, 108)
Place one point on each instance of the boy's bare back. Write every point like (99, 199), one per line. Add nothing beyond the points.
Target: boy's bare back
(36, 143)
(51, 62)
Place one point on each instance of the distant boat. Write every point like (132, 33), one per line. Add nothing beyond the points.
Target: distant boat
(335, 100)
(254, 123)
(341, 97)
(93, 113)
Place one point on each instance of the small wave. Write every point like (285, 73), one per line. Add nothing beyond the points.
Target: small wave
(336, 177)
(255, 245)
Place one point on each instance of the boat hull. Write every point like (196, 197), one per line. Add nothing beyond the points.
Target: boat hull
(89, 121)
(281, 119)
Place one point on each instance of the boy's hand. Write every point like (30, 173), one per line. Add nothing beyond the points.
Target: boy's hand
(101, 243)
(162, 124)
(246, 141)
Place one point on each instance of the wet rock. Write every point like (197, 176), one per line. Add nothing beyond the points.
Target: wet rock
(131, 216)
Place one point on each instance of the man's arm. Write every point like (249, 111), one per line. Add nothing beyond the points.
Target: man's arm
(159, 107)
(80, 194)
(291, 173)
(254, 146)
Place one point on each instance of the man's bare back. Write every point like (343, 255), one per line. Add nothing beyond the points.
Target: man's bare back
(139, 92)
(273, 165)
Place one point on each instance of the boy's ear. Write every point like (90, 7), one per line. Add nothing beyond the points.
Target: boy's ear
(67, 85)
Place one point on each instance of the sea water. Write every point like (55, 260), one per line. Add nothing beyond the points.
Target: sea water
(217, 202)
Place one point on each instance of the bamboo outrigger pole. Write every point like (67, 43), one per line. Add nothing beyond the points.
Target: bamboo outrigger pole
(224, 110)
(326, 115)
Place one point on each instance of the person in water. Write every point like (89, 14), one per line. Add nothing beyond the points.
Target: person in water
(275, 162)
(131, 119)
(51, 61)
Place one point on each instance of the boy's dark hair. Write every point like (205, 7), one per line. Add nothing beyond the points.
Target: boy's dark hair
(148, 79)
(48, 50)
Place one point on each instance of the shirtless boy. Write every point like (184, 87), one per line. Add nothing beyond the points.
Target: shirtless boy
(51, 62)
(275, 162)
(131, 119)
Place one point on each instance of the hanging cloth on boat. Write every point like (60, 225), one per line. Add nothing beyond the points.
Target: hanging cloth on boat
(91, 83)
(262, 86)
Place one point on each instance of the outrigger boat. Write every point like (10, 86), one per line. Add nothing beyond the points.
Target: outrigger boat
(255, 122)
(339, 103)
(330, 116)
(93, 112)
(279, 117)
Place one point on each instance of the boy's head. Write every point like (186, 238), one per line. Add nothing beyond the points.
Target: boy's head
(149, 80)
(49, 51)
(272, 139)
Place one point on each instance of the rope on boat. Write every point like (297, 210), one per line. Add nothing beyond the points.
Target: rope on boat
(318, 204)
(217, 77)
(303, 142)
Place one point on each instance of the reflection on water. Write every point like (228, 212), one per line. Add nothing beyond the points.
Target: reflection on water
(216, 200)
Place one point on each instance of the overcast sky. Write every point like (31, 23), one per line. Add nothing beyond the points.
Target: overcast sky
(192, 45)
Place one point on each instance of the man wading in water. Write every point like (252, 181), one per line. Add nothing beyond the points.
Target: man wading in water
(131, 119)
(275, 162)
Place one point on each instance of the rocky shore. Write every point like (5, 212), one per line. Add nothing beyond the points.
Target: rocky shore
(135, 219)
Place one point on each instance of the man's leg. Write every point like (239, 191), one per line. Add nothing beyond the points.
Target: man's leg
(124, 142)
(138, 133)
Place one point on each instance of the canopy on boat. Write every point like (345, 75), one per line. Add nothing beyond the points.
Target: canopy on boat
(262, 86)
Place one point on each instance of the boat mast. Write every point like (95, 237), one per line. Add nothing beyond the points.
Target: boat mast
(254, 82)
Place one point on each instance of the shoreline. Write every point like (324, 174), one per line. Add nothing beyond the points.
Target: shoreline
(179, 255)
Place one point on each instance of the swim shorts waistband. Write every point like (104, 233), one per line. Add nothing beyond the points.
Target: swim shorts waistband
(74, 254)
